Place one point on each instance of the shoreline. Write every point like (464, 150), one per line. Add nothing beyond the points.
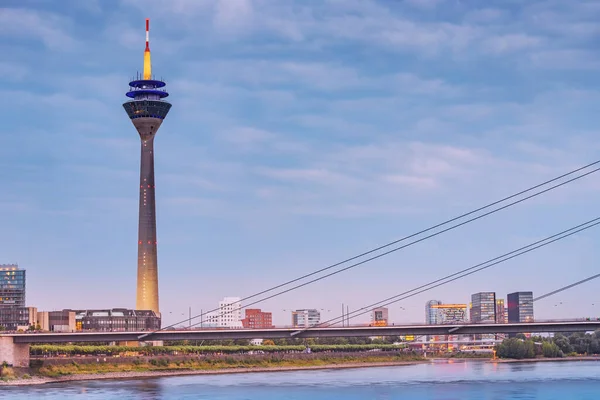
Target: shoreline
(557, 359)
(38, 380)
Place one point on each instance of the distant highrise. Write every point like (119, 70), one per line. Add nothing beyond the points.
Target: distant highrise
(432, 315)
(448, 314)
(305, 318)
(451, 313)
(500, 312)
(520, 307)
(230, 313)
(13, 313)
(483, 307)
(379, 316)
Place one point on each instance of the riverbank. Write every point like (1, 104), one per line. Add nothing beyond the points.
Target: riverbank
(38, 380)
(557, 359)
(75, 372)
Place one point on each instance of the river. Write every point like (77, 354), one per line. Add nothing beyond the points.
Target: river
(445, 380)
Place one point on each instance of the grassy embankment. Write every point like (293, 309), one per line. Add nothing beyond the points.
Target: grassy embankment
(61, 360)
(213, 363)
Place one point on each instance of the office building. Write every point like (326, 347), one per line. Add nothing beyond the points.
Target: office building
(114, 320)
(13, 313)
(210, 320)
(450, 313)
(520, 307)
(447, 314)
(379, 316)
(483, 308)
(257, 319)
(432, 315)
(147, 110)
(501, 317)
(229, 314)
(57, 321)
(305, 318)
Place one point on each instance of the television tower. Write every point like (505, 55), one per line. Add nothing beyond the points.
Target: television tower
(147, 111)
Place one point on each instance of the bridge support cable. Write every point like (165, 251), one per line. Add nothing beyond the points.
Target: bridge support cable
(393, 250)
(566, 287)
(558, 178)
(466, 272)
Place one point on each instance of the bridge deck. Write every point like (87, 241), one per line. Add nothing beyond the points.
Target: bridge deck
(279, 333)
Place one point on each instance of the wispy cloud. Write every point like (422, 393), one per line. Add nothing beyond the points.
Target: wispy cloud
(49, 28)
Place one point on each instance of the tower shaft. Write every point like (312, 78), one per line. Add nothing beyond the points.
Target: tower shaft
(147, 269)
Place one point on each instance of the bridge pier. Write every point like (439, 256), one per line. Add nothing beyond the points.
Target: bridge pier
(15, 354)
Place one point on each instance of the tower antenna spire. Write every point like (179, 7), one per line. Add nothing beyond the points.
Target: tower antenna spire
(147, 62)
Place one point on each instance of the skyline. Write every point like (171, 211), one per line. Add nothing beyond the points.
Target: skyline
(294, 145)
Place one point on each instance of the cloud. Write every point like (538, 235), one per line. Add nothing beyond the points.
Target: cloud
(565, 59)
(46, 27)
(511, 43)
(13, 71)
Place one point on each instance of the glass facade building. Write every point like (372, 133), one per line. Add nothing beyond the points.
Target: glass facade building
(432, 315)
(305, 318)
(115, 320)
(500, 312)
(13, 313)
(520, 307)
(483, 308)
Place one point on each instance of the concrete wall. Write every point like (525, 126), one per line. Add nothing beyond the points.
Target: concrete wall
(15, 354)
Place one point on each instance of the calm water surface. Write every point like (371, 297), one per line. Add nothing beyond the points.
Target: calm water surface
(457, 380)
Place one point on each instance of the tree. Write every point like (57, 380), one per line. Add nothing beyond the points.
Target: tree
(551, 350)
(563, 343)
(268, 342)
(516, 348)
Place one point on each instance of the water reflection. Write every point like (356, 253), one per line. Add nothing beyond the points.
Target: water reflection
(146, 389)
(520, 367)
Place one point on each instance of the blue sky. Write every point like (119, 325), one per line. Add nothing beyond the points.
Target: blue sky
(301, 133)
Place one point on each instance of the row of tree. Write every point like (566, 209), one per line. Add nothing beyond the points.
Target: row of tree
(288, 342)
(72, 350)
(560, 345)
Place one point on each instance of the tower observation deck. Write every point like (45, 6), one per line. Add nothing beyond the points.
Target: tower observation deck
(147, 110)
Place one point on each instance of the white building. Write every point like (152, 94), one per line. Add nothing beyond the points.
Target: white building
(305, 318)
(230, 313)
(210, 320)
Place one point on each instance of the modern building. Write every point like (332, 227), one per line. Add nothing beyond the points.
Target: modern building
(501, 317)
(305, 318)
(520, 307)
(432, 315)
(210, 320)
(451, 313)
(379, 316)
(13, 313)
(229, 314)
(115, 320)
(447, 314)
(57, 321)
(147, 110)
(257, 319)
(483, 308)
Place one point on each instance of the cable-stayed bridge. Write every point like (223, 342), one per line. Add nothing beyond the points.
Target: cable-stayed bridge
(14, 348)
